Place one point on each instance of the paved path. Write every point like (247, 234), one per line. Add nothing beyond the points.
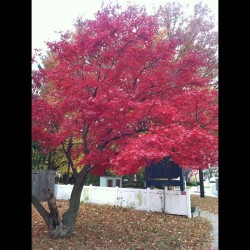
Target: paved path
(213, 218)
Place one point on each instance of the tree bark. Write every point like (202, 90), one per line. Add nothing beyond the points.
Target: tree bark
(202, 192)
(50, 161)
(39, 207)
(68, 156)
(62, 227)
(69, 217)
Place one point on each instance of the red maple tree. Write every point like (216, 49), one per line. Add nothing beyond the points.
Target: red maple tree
(115, 88)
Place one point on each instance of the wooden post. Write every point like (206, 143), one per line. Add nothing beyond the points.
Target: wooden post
(42, 179)
(182, 183)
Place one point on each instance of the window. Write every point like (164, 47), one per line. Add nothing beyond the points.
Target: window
(118, 183)
(110, 183)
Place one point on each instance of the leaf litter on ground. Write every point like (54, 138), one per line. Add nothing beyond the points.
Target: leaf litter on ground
(100, 227)
(207, 203)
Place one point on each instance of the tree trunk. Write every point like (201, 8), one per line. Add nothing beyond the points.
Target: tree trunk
(186, 174)
(50, 167)
(202, 192)
(59, 228)
(67, 179)
(69, 217)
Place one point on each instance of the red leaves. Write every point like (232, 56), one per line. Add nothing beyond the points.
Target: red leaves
(115, 77)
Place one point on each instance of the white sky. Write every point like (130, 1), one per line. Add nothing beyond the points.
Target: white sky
(49, 16)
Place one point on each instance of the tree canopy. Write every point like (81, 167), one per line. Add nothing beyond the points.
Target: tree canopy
(116, 87)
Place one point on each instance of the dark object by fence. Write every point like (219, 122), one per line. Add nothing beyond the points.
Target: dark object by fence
(42, 179)
(164, 173)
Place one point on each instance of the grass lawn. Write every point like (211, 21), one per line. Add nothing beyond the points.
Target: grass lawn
(116, 228)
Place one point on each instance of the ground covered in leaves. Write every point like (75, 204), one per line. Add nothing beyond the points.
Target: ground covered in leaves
(102, 227)
(208, 203)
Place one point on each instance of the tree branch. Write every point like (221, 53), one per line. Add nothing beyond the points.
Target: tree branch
(104, 144)
(144, 69)
(84, 137)
(196, 116)
(41, 210)
(68, 156)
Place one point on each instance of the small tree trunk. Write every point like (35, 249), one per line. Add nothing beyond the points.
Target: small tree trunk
(59, 228)
(202, 192)
(56, 227)
(69, 217)
(186, 174)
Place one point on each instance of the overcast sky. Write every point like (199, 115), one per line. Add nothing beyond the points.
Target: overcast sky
(49, 16)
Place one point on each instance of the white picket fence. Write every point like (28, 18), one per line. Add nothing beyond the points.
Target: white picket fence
(155, 200)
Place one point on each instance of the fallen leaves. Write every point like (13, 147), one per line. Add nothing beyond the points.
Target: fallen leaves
(208, 203)
(102, 227)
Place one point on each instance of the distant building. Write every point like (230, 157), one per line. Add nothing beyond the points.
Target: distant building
(110, 181)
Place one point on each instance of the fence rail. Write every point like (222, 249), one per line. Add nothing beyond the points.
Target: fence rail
(155, 200)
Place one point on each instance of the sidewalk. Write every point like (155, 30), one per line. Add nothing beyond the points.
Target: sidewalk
(213, 218)
(208, 191)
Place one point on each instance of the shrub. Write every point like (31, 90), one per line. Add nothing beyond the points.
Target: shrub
(193, 208)
(192, 183)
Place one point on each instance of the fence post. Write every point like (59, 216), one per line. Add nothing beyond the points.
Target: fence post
(117, 196)
(188, 204)
(148, 207)
(90, 193)
(42, 179)
(164, 199)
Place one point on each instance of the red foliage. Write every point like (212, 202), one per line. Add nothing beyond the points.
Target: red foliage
(122, 93)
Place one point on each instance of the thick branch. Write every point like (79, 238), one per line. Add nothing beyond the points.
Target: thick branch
(41, 210)
(99, 74)
(74, 171)
(104, 144)
(84, 137)
(68, 155)
(196, 116)
(82, 175)
(92, 91)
